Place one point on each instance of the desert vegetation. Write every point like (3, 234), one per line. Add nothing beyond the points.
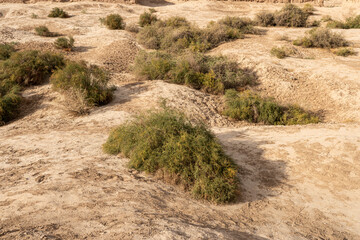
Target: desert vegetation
(210, 74)
(84, 86)
(345, 52)
(6, 50)
(351, 22)
(176, 33)
(251, 107)
(43, 31)
(167, 144)
(113, 22)
(289, 16)
(147, 18)
(58, 13)
(65, 43)
(321, 38)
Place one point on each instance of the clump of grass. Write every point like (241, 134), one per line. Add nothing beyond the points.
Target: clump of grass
(43, 31)
(34, 16)
(167, 144)
(147, 18)
(345, 52)
(321, 38)
(10, 100)
(176, 34)
(6, 50)
(132, 28)
(279, 52)
(250, 107)
(210, 74)
(351, 22)
(58, 13)
(113, 22)
(29, 67)
(308, 9)
(83, 84)
(64, 43)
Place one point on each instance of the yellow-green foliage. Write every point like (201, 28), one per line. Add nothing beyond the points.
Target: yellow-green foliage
(279, 52)
(345, 52)
(113, 22)
(64, 43)
(210, 74)
(6, 50)
(29, 67)
(166, 141)
(91, 81)
(176, 33)
(321, 38)
(252, 108)
(58, 13)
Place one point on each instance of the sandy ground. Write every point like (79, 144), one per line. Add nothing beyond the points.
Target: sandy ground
(298, 182)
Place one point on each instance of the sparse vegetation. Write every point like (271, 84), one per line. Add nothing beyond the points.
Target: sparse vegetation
(252, 108)
(132, 28)
(210, 74)
(147, 18)
(321, 38)
(351, 22)
(85, 86)
(289, 16)
(29, 67)
(58, 13)
(279, 52)
(34, 16)
(64, 43)
(165, 143)
(176, 34)
(308, 9)
(9, 101)
(345, 52)
(113, 22)
(6, 50)
(43, 31)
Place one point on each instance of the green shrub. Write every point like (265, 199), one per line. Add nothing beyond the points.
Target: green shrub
(279, 52)
(291, 16)
(154, 65)
(252, 108)
(58, 13)
(9, 101)
(210, 74)
(91, 81)
(147, 18)
(244, 25)
(265, 19)
(29, 67)
(321, 38)
(6, 50)
(352, 22)
(64, 43)
(345, 52)
(43, 31)
(166, 142)
(113, 22)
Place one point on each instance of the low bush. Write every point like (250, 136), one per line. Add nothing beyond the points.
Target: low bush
(6, 50)
(265, 19)
(64, 43)
(308, 9)
(278, 52)
(10, 99)
(165, 143)
(132, 28)
(81, 82)
(211, 74)
(291, 16)
(30, 67)
(345, 52)
(352, 22)
(176, 34)
(147, 18)
(113, 22)
(321, 38)
(252, 108)
(58, 13)
(43, 31)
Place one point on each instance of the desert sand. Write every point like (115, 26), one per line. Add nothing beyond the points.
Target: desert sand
(297, 182)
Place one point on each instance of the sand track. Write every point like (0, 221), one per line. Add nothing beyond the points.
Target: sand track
(298, 182)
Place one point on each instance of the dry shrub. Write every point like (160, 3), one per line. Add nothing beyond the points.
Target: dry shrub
(321, 38)
(113, 22)
(166, 141)
(10, 100)
(291, 16)
(58, 13)
(64, 43)
(6, 50)
(43, 31)
(147, 18)
(132, 28)
(345, 52)
(265, 19)
(351, 22)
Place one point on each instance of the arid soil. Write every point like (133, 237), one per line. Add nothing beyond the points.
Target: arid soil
(297, 182)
